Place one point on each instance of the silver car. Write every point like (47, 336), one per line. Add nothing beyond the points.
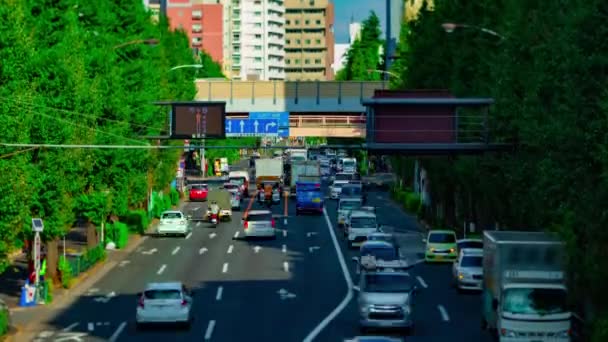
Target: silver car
(468, 269)
(168, 302)
(386, 300)
(259, 223)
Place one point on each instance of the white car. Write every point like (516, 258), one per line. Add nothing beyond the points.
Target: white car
(345, 206)
(468, 269)
(167, 302)
(361, 223)
(259, 223)
(173, 222)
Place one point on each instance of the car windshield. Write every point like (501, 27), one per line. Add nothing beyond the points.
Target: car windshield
(534, 301)
(349, 205)
(351, 191)
(442, 238)
(237, 181)
(348, 163)
(259, 217)
(343, 177)
(382, 253)
(199, 187)
(470, 244)
(363, 222)
(230, 186)
(163, 294)
(471, 261)
(387, 283)
(171, 216)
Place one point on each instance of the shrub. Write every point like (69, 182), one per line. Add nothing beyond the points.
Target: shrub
(174, 194)
(412, 202)
(166, 202)
(94, 255)
(136, 220)
(48, 285)
(65, 272)
(121, 237)
(4, 320)
(157, 207)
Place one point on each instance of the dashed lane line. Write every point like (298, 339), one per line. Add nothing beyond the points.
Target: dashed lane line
(209, 331)
(284, 249)
(70, 327)
(117, 332)
(161, 269)
(444, 313)
(421, 281)
(218, 295)
(175, 250)
(230, 248)
(188, 236)
(225, 268)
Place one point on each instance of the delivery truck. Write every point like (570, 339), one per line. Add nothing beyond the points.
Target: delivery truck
(269, 177)
(309, 169)
(524, 287)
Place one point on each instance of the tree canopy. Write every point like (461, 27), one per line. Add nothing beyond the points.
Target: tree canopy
(79, 73)
(547, 74)
(364, 54)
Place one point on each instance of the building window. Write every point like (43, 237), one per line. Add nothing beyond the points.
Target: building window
(257, 48)
(298, 41)
(297, 61)
(257, 13)
(197, 14)
(297, 22)
(258, 59)
(257, 24)
(307, 61)
(318, 41)
(288, 61)
(258, 36)
(307, 41)
(317, 61)
(197, 28)
(287, 41)
(307, 22)
(318, 22)
(287, 22)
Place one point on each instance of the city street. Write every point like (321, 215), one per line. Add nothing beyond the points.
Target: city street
(262, 290)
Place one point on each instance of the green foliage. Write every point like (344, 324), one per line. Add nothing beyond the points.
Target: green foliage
(65, 273)
(166, 202)
(364, 53)
(136, 220)
(158, 205)
(73, 72)
(233, 155)
(4, 321)
(549, 100)
(120, 234)
(174, 194)
(95, 255)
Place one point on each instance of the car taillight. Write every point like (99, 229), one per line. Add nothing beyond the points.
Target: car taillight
(245, 224)
(272, 223)
(184, 302)
(141, 302)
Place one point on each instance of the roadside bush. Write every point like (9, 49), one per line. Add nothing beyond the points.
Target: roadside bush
(95, 255)
(166, 202)
(411, 202)
(4, 319)
(174, 194)
(157, 207)
(136, 220)
(48, 298)
(121, 234)
(600, 329)
(65, 272)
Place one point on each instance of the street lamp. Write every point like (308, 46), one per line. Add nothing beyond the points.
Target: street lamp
(137, 41)
(451, 27)
(195, 66)
(384, 72)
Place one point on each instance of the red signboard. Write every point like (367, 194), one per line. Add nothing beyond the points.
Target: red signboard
(413, 123)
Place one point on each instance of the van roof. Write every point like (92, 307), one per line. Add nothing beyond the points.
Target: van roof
(362, 213)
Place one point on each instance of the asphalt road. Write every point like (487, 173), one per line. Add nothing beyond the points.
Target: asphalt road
(262, 290)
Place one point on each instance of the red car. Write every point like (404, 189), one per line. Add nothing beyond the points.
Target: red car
(198, 192)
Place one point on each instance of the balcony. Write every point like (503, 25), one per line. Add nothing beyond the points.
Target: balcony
(197, 29)
(197, 15)
(276, 29)
(276, 52)
(274, 39)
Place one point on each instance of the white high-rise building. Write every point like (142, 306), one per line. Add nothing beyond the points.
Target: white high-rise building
(354, 30)
(256, 46)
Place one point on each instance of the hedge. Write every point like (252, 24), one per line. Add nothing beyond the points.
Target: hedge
(137, 220)
(174, 194)
(411, 201)
(4, 320)
(118, 232)
(65, 272)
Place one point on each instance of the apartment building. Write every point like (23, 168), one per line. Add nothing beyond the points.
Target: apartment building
(154, 7)
(202, 20)
(254, 39)
(309, 43)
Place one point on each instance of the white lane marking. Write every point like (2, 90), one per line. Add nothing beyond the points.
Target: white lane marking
(236, 235)
(209, 330)
(70, 327)
(422, 282)
(285, 266)
(349, 286)
(284, 249)
(188, 236)
(161, 269)
(198, 224)
(91, 326)
(256, 249)
(124, 263)
(230, 248)
(313, 248)
(444, 314)
(93, 290)
(212, 235)
(285, 233)
(225, 268)
(202, 250)
(218, 295)
(195, 209)
(175, 250)
(117, 332)
(309, 234)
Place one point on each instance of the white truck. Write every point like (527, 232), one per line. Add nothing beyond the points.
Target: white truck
(268, 168)
(298, 155)
(524, 287)
(348, 165)
(304, 170)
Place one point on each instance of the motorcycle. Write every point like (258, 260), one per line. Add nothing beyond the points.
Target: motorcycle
(214, 220)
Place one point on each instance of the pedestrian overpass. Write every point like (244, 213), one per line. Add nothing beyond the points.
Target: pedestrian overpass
(316, 109)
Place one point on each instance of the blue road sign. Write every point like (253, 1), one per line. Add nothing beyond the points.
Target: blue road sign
(252, 128)
(281, 117)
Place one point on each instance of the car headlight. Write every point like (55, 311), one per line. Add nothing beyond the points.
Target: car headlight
(463, 276)
(508, 333)
(406, 309)
(452, 250)
(431, 249)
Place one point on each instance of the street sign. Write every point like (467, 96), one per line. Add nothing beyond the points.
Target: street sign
(252, 128)
(281, 117)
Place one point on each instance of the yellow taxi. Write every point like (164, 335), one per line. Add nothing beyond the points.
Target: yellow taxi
(441, 246)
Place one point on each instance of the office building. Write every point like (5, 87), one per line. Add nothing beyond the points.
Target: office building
(340, 51)
(354, 31)
(309, 43)
(202, 20)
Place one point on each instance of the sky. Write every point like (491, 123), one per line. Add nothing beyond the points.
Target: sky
(359, 9)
